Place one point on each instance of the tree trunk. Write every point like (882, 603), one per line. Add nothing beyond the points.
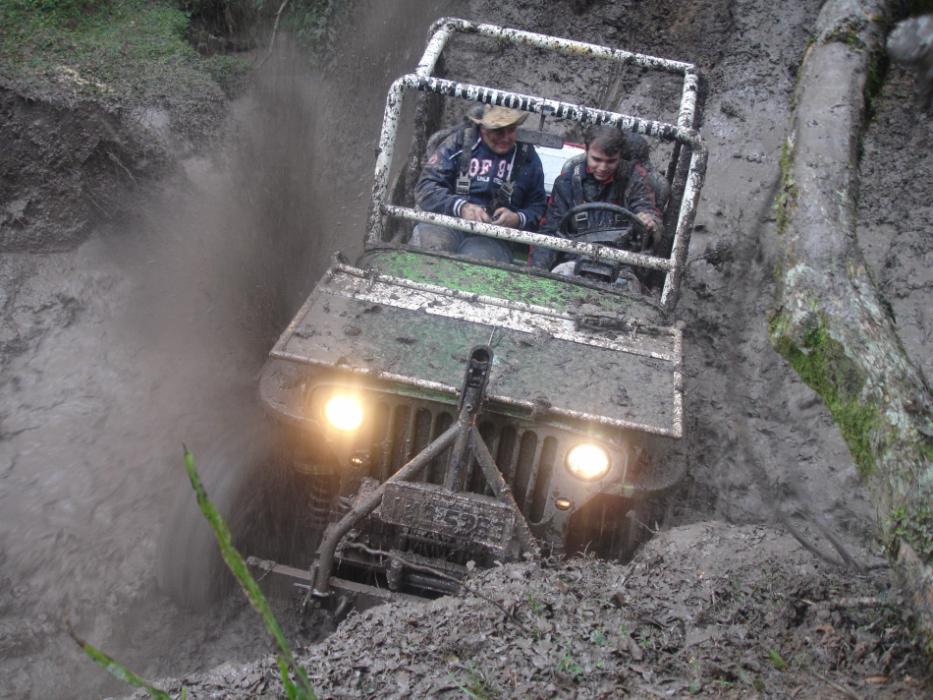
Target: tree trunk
(831, 323)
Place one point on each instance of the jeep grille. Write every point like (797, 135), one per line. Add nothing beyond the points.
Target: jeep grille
(402, 428)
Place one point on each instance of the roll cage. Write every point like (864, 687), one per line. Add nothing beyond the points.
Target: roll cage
(685, 172)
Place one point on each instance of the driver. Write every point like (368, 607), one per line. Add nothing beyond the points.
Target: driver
(481, 173)
(601, 175)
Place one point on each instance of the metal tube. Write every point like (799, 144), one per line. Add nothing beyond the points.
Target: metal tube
(678, 418)
(434, 48)
(688, 100)
(336, 531)
(384, 153)
(688, 208)
(591, 250)
(459, 454)
(556, 108)
(565, 46)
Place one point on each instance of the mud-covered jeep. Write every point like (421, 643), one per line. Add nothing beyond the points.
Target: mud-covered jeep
(440, 410)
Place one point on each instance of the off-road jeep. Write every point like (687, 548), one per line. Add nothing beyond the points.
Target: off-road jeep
(439, 410)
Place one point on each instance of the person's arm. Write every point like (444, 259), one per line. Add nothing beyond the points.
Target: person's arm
(533, 203)
(561, 202)
(435, 191)
(640, 199)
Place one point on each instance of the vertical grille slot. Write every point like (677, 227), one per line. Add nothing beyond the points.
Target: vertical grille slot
(505, 452)
(399, 440)
(380, 440)
(435, 471)
(422, 431)
(524, 469)
(543, 480)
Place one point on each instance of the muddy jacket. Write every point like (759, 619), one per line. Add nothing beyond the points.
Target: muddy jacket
(436, 190)
(629, 188)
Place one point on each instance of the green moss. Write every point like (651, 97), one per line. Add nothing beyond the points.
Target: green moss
(848, 32)
(914, 526)
(786, 198)
(228, 71)
(874, 81)
(115, 51)
(822, 363)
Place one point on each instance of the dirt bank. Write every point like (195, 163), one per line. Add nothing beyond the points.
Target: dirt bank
(151, 333)
(707, 609)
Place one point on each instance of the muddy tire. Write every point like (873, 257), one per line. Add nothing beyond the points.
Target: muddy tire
(615, 527)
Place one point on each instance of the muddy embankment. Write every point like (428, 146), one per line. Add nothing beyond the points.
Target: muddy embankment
(151, 333)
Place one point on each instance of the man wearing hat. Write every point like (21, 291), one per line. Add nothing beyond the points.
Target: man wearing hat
(481, 173)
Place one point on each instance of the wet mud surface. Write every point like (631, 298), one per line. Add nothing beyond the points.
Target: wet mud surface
(895, 212)
(706, 609)
(152, 333)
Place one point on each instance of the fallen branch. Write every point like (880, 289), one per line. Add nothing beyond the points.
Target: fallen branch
(837, 544)
(841, 688)
(809, 546)
(275, 29)
(843, 603)
(119, 163)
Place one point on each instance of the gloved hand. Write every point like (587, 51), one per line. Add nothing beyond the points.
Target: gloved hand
(652, 227)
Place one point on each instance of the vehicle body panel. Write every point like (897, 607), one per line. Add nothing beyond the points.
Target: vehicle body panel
(388, 326)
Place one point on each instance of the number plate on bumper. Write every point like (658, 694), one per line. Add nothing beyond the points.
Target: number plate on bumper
(469, 518)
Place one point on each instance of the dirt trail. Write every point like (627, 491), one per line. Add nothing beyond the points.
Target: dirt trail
(152, 332)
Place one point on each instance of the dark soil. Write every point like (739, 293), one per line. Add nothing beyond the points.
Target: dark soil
(151, 332)
(707, 610)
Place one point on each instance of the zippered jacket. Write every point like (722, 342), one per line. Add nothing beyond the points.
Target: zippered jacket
(630, 188)
(436, 190)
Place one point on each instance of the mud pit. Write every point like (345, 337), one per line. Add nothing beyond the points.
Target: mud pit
(152, 332)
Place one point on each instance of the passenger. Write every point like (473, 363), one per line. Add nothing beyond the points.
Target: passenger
(500, 182)
(602, 174)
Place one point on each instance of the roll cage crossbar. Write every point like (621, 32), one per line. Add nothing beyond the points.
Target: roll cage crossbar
(681, 134)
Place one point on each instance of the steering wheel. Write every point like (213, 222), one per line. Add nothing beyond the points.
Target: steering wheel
(624, 236)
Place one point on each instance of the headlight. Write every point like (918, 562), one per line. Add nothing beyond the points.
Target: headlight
(344, 412)
(588, 462)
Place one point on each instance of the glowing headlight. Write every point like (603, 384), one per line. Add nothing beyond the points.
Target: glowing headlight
(344, 412)
(588, 462)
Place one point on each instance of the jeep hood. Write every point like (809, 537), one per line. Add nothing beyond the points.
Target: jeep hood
(606, 368)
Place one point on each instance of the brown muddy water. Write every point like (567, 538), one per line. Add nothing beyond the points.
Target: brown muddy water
(151, 335)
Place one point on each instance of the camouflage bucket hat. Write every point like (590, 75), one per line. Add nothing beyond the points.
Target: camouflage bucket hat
(498, 117)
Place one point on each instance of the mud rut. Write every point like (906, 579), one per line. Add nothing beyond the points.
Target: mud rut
(152, 332)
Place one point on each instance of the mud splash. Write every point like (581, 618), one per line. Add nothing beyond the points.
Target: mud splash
(152, 334)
